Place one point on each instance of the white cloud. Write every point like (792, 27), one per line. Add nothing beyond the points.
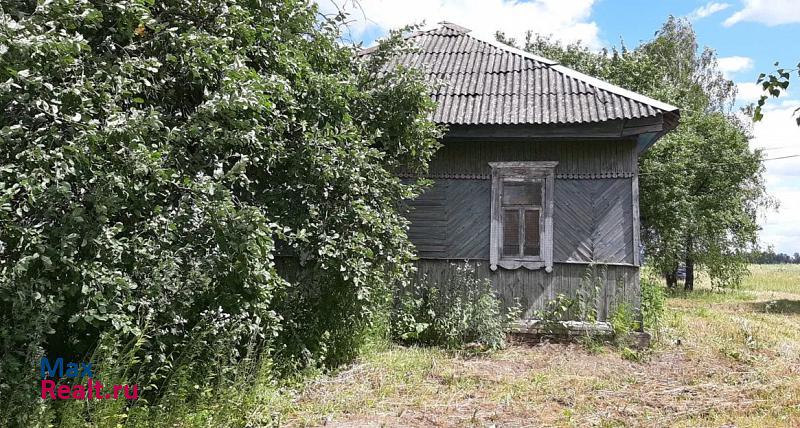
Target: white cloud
(707, 10)
(748, 92)
(768, 12)
(778, 228)
(734, 64)
(567, 21)
(779, 135)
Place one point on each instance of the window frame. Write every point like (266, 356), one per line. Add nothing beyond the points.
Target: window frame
(523, 171)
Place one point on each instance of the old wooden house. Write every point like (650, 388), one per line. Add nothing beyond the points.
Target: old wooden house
(536, 181)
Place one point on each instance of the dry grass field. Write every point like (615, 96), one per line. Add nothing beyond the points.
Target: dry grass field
(721, 359)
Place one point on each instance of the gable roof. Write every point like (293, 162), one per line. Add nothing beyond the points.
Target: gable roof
(482, 82)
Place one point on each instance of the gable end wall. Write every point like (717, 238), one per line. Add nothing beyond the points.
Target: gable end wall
(593, 219)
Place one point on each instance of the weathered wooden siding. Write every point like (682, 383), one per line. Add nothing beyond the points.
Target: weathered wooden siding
(535, 288)
(428, 217)
(452, 220)
(576, 159)
(592, 220)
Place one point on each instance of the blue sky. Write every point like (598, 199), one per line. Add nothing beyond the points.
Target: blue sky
(748, 35)
(762, 43)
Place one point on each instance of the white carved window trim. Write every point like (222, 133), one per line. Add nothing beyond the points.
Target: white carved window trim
(539, 171)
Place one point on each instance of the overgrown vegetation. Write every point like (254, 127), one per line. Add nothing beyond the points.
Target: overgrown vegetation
(722, 360)
(582, 306)
(200, 198)
(463, 311)
(157, 158)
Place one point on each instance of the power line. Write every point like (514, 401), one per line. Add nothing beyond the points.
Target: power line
(737, 163)
(781, 157)
(775, 148)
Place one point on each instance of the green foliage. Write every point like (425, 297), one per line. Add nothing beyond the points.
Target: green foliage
(156, 157)
(701, 185)
(715, 192)
(582, 306)
(556, 310)
(631, 354)
(587, 295)
(768, 256)
(462, 311)
(774, 84)
(623, 320)
(653, 303)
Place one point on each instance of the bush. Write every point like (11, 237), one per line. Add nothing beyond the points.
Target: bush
(157, 157)
(463, 310)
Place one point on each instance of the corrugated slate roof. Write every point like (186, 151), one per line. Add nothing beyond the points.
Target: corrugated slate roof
(481, 82)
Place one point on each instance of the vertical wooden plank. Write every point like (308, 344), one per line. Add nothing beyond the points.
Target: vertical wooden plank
(494, 234)
(548, 222)
(535, 289)
(635, 215)
(602, 298)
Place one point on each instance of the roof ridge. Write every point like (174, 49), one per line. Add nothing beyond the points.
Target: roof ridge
(589, 80)
(516, 51)
(454, 27)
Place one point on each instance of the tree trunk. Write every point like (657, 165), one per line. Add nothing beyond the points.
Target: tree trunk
(689, 284)
(672, 279)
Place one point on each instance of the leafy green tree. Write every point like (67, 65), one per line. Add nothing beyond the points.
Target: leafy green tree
(159, 164)
(769, 256)
(701, 186)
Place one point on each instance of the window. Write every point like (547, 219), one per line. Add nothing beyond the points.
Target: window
(522, 215)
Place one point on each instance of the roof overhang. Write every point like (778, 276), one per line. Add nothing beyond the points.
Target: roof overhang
(646, 140)
(646, 131)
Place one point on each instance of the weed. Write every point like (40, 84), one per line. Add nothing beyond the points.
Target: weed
(463, 310)
(630, 354)
(623, 321)
(653, 302)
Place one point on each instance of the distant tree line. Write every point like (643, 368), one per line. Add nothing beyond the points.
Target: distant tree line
(770, 257)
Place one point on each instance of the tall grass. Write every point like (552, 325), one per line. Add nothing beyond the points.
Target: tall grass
(778, 278)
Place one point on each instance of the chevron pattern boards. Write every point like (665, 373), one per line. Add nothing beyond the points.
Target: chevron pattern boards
(451, 220)
(469, 218)
(593, 221)
(428, 217)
